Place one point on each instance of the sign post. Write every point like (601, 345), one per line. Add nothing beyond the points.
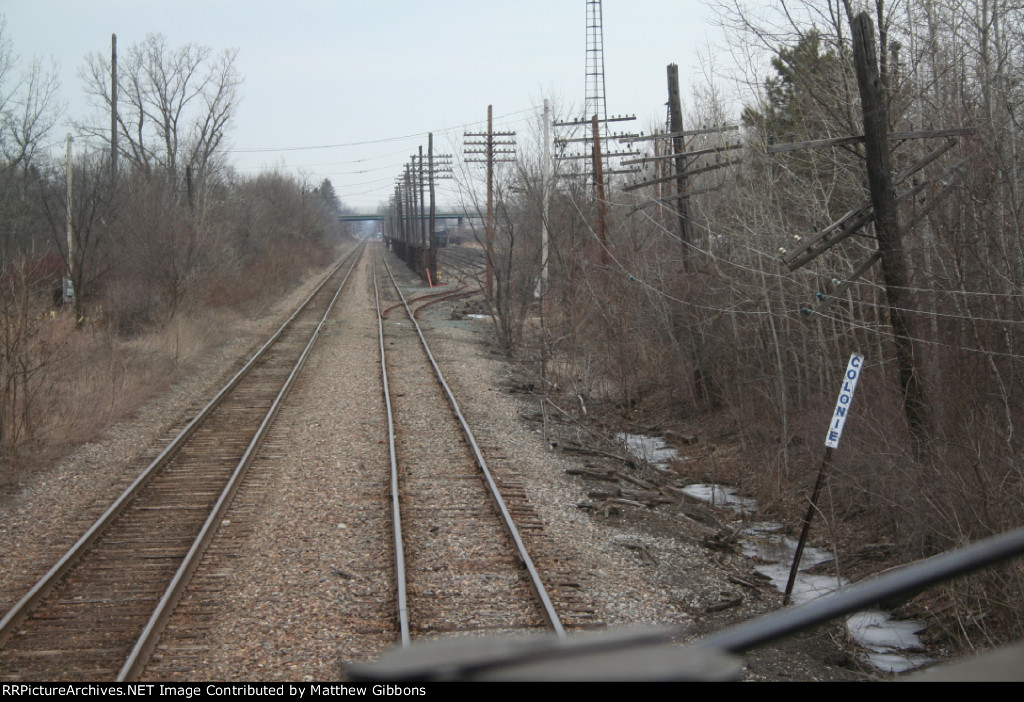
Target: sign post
(835, 431)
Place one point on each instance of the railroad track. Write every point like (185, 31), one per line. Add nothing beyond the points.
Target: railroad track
(445, 294)
(467, 262)
(98, 612)
(461, 563)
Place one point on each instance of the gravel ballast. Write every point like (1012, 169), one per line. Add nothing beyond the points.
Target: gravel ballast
(301, 585)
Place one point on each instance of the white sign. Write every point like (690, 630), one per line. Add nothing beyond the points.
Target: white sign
(835, 428)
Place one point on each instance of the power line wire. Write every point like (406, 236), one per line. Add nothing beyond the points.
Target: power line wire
(384, 140)
(879, 330)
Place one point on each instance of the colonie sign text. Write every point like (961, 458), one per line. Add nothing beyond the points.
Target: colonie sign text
(835, 429)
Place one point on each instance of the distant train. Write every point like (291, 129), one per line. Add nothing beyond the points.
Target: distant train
(444, 237)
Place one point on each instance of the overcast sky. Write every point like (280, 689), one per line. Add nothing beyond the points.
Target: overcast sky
(321, 76)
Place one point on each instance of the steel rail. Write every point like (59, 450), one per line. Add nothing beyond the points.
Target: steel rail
(535, 580)
(147, 640)
(45, 584)
(467, 264)
(429, 296)
(396, 511)
(450, 297)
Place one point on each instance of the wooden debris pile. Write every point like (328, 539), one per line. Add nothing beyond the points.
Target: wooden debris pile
(651, 491)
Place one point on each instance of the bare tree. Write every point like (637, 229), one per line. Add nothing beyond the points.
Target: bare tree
(175, 106)
(7, 62)
(94, 211)
(26, 350)
(31, 114)
(29, 110)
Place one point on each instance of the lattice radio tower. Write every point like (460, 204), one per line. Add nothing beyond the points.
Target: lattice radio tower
(595, 102)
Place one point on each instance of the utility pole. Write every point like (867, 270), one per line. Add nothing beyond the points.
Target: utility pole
(410, 211)
(410, 207)
(602, 206)
(489, 144)
(399, 232)
(423, 223)
(422, 264)
(659, 171)
(490, 202)
(432, 250)
(588, 140)
(113, 108)
(597, 155)
(881, 209)
(439, 167)
(887, 223)
(419, 249)
(412, 234)
(675, 150)
(682, 160)
(69, 292)
(542, 282)
(675, 111)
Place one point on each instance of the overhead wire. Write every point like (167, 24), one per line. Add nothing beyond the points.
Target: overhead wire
(370, 142)
(760, 272)
(791, 280)
(526, 115)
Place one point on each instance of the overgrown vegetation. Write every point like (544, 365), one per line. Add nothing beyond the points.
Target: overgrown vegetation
(168, 249)
(658, 333)
(648, 331)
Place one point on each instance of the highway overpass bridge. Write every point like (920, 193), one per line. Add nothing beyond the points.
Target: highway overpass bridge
(375, 216)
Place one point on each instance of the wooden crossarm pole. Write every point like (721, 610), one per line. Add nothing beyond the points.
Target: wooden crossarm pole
(696, 171)
(892, 136)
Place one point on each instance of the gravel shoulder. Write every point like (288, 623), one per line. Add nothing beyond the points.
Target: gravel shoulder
(301, 598)
(44, 509)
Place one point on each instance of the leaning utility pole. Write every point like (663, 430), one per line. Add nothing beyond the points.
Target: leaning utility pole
(675, 126)
(887, 223)
(881, 209)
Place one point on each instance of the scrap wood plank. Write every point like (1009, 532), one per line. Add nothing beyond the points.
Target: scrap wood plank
(573, 448)
(636, 481)
(611, 477)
